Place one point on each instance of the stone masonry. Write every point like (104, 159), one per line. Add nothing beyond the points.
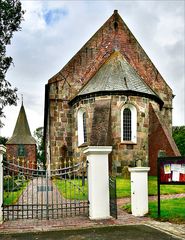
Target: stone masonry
(62, 99)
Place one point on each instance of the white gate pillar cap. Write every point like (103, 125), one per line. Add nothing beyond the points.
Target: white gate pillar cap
(2, 148)
(139, 169)
(97, 150)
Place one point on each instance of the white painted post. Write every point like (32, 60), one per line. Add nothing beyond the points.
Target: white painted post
(98, 181)
(139, 190)
(2, 151)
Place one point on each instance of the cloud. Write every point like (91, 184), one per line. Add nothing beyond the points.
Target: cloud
(52, 16)
(53, 31)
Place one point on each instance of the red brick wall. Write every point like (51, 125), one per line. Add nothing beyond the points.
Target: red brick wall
(31, 154)
(159, 139)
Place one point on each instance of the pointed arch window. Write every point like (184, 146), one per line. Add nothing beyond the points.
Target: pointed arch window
(82, 127)
(129, 124)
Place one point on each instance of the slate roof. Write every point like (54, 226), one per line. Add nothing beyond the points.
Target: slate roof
(116, 74)
(21, 134)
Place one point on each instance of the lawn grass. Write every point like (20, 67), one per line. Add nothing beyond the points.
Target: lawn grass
(123, 187)
(10, 198)
(172, 210)
(72, 188)
(165, 189)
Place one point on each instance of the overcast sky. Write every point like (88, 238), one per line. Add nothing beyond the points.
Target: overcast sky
(53, 31)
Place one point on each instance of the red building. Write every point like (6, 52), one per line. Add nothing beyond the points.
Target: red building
(21, 147)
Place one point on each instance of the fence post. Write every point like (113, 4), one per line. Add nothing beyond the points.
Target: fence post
(2, 151)
(139, 190)
(98, 181)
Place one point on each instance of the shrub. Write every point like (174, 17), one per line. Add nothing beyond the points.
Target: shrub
(12, 184)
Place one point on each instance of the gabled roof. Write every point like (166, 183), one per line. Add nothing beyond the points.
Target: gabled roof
(22, 134)
(113, 34)
(116, 75)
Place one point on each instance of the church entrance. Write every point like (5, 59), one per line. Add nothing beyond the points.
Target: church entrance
(37, 193)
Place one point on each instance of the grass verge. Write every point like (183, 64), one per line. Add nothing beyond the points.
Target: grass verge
(172, 210)
(73, 189)
(123, 187)
(10, 198)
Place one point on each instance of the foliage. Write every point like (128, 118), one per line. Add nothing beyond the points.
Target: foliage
(3, 140)
(13, 188)
(11, 196)
(39, 136)
(12, 184)
(10, 19)
(179, 137)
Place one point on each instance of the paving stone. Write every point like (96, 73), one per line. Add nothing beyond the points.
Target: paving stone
(80, 222)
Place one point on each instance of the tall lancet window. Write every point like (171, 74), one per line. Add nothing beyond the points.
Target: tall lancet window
(129, 123)
(82, 126)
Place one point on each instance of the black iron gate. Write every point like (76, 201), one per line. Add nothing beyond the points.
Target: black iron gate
(113, 197)
(44, 194)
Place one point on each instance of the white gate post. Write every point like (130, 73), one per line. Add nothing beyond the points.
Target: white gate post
(98, 181)
(139, 190)
(2, 151)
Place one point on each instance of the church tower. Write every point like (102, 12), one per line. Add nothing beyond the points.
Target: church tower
(21, 147)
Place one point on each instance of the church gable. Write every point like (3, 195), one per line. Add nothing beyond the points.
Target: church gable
(113, 35)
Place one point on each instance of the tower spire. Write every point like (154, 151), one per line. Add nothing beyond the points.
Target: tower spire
(21, 133)
(22, 99)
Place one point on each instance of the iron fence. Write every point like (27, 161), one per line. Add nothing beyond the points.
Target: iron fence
(44, 194)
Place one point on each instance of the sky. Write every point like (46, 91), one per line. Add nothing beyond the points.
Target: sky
(53, 31)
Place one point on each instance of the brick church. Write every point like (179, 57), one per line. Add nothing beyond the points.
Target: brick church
(109, 94)
(21, 147)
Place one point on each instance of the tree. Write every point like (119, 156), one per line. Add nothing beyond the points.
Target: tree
(11, 15)
(39, 137)
(3, 140)
(179, 137)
